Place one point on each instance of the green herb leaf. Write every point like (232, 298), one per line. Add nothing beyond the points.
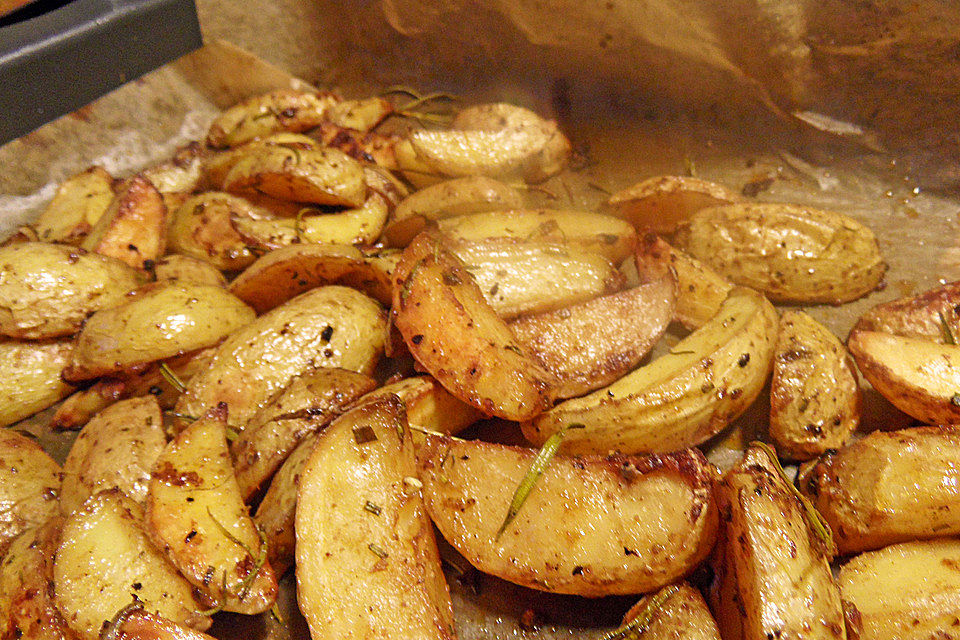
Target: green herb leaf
(635, 629)
(172, 379)
(947, 333)
(537, 467)
(375, 509)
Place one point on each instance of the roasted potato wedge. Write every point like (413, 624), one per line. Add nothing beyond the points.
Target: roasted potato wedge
(308, 404)
(105, 561)
(203, 227)
(458, 338)
(362, 114)
(48, 290)
(181, 173)
(117, 448)
(133, 623)
(610, 237)
(682, 398)
(814, 393)
(27, 605)
(169, 320)
(428, 405)
(78, 204)
(217, 165)
(29, 485)
(791, 253)
(661, 203)
(920, 316)
(889, 487)
(919, 377)
(195, 514)
(908, 591)
(678, 612)
(591, 526)
(287, 272)
(772, 560)
(327, 327)
(318, 175)
(594, 343)
(700, 290)
(519, 277)
(262, 115)
(457, 197)
(133, 229)
(187, 270)
(367, 561)
(30, 377)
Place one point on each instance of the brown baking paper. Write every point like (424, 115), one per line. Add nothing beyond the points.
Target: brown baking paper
(788, 101)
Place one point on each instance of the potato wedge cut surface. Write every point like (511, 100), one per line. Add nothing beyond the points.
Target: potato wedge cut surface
(428, 405)
(917, 316)
(683, 615)
(29, 485)
(661, 203)
(273, 112)
(367, 562)
(79, 202)
(591, 526)
(30, 377)
(133, 229)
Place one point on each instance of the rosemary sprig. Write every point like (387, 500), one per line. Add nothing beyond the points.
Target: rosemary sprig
(261, 559)
(298, 223)
(947, 333)
(172, 379)
(635, 629)
(111, 631)
(537, 467)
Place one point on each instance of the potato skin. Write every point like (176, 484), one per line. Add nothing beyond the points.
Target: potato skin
(916, 316)
(269, 113)
(79, 202)
(683, 616)
(889, 487)
(133, 229)
(48, 290)
(30, 377)
(29, 486)
(661, 203)
(585, 528)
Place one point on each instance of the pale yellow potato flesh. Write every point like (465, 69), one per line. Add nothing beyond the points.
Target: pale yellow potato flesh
(918, 376)
(591, 526)
(133, 229)
(105, 560)
(181, 174)
(367, 561)
(30, 377)
(195, 514)
(889, 487)
(187, 270)
(683, 615)
(203, 227)
(814, 393)
(79, 202)
(428, 405)
(29, 485)
(117, 448)
(48, 290)
(269, 113)
(168, 320)
(919, 316)
(771, 560)
(661, 203)
(362, 114)
(329, 326)
(217, 165)
(683, 397)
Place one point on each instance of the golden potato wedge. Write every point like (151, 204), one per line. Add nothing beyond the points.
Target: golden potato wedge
(260, 116)
(48, 290)
(168, 320)
(700, 290)
(30, 377)
(78, 204)
(520, 277)
(889, 487)
(187, 270)
(457, 197)
(661, 203)
(594, 343)
(360, 115)
(306, 405)
(610, 237)
(678, 612)
(133, 623)
(27, 604)
(29, 486)
(217, 165)
(792, 253)
(369, 147)
(367, 561)
(428, 405)
(386, 184)
(105, 560)
(458, 338)
(326, 327)
(814, 393)
(117, 448)
(772, 559)
(682, 398)
(919, 377)
(133, 229)
(920, 316)
(908, 591)
(203, 228)
(287, 272)
(591, 526)
(319, 175)
(194, 513)
(179, 174)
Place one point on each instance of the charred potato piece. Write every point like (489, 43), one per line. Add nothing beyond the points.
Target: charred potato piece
(367, 561)
(594, 343)
(76, 207)
(166, 321)
(661, 203)
(47, 290)
(260, 116)
(920, 316)
(187, 270)
(133, 229)
(598, 539)
(680, 399)
(791, 253)
(195, 514)
(204, 227)
(29, 485)
(772, 560)
(30, 377)
(814, 393)
(678, 612)
(456, 335)
(889, 487)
